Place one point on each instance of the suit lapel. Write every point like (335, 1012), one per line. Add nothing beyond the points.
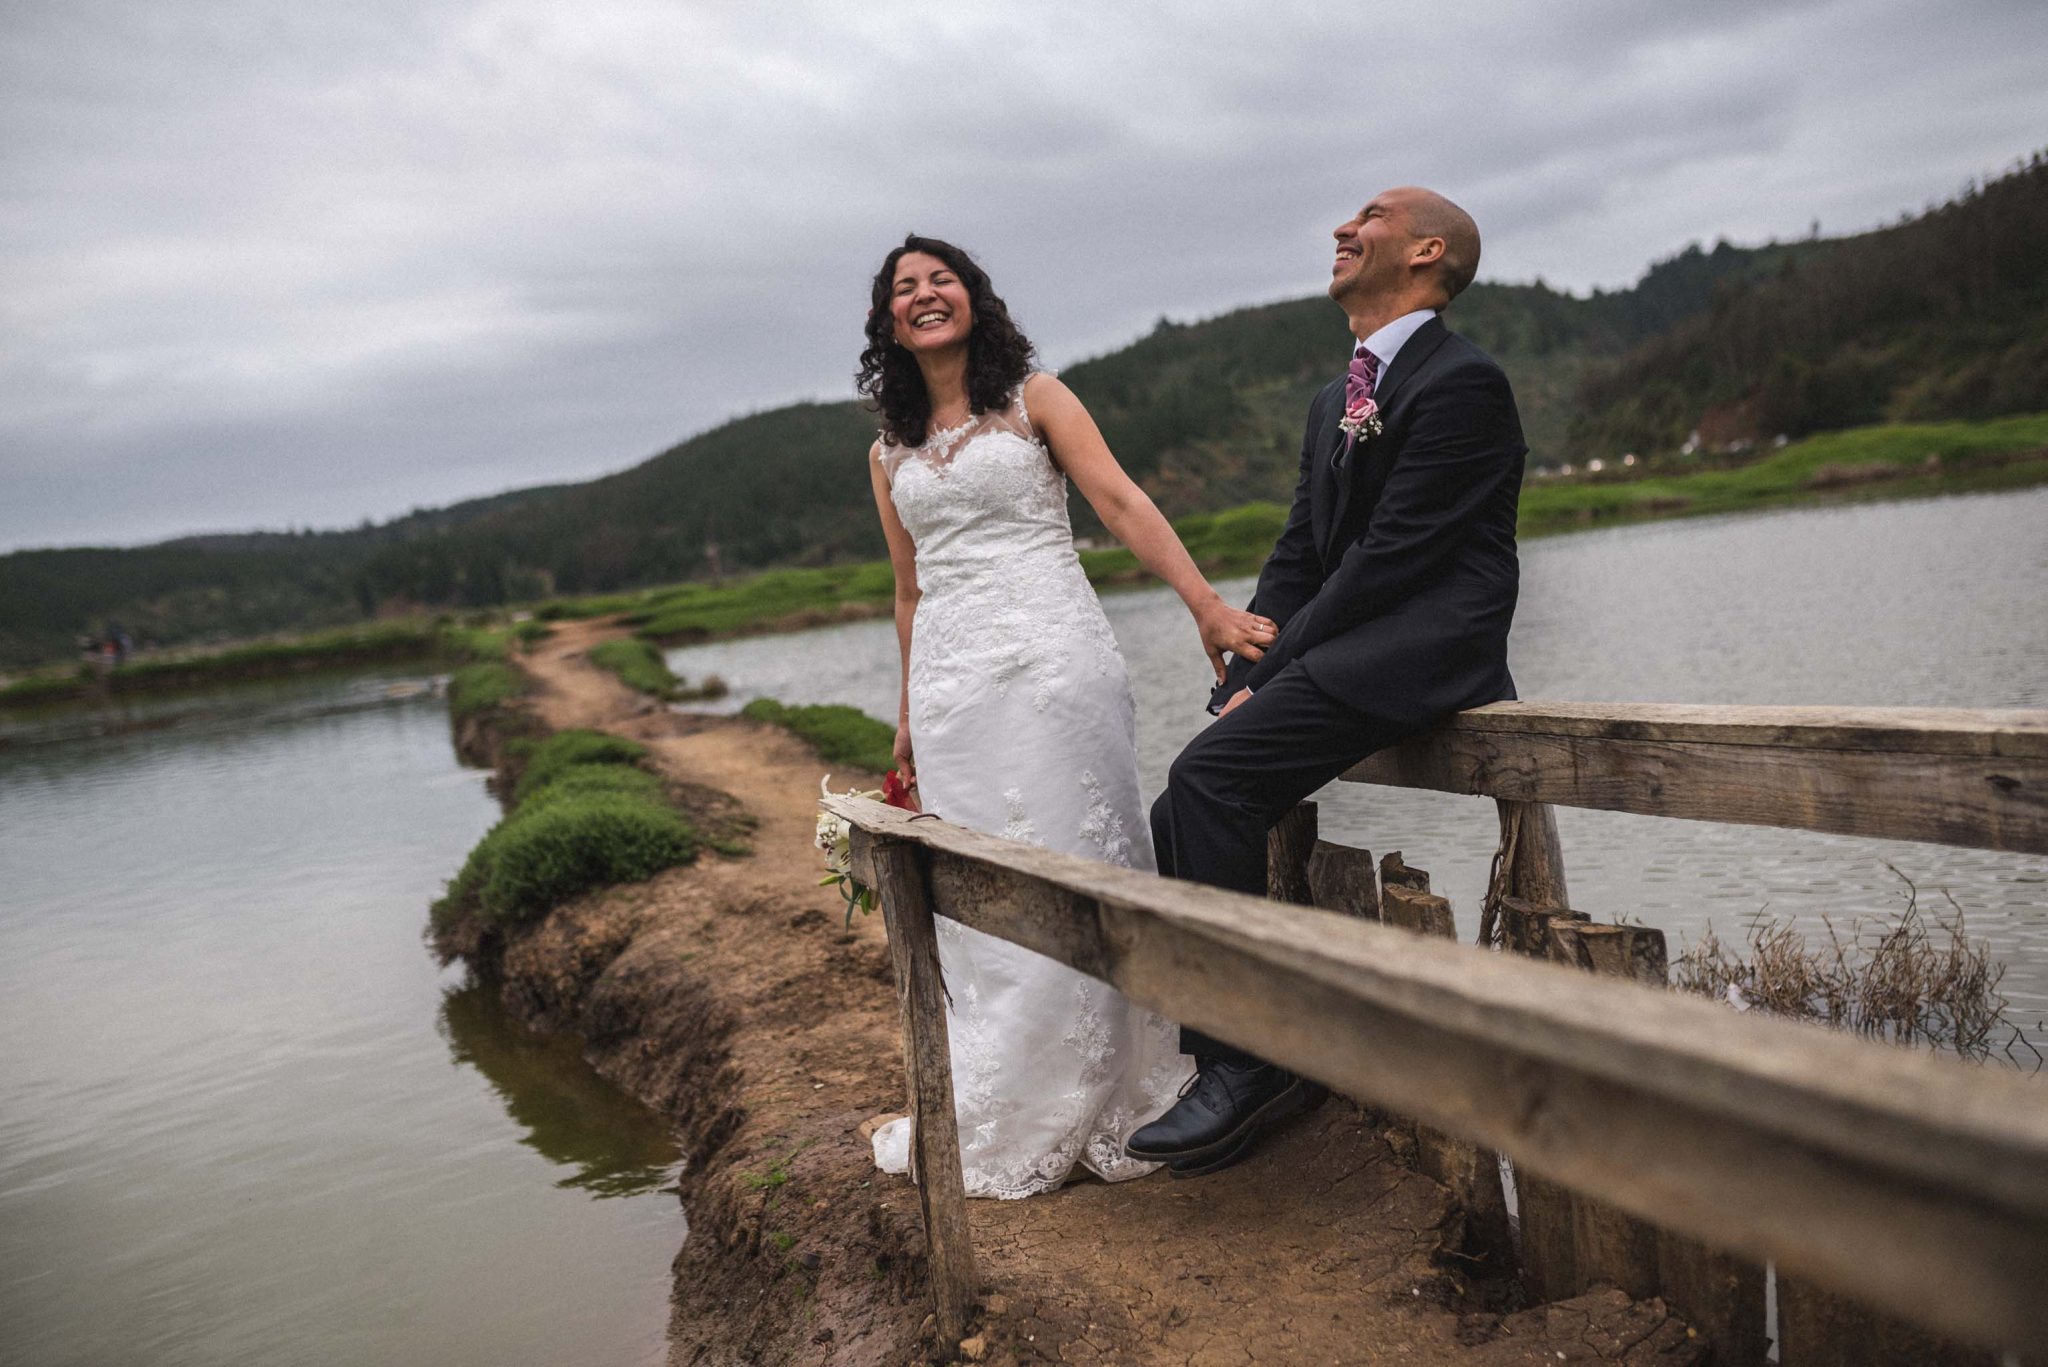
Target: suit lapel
(1420, 346)
(1331, 480)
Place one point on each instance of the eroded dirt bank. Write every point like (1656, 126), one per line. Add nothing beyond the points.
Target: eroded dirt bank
(727, 996)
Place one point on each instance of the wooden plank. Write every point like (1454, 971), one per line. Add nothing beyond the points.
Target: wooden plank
(1905, 1180)
(1986, 802)
(941, 1192)
(1288, 846)
(2020, 732)
(1343, 880)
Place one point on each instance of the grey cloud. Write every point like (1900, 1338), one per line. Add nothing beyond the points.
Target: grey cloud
(286, 266)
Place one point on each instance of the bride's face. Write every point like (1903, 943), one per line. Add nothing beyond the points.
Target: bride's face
(929, 304)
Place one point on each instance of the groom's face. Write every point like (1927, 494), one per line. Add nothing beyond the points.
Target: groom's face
(1372, 249)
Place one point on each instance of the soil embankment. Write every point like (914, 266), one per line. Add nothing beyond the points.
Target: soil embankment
(727, 996)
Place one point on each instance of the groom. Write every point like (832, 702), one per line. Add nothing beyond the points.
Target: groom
(1393, 583)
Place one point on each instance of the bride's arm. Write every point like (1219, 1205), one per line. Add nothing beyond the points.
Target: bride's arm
(1135, 520)
(903, 561)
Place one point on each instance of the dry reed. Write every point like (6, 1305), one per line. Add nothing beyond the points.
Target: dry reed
(1915, 981)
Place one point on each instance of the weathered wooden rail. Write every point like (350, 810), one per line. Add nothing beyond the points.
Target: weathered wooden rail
(1912, 1183)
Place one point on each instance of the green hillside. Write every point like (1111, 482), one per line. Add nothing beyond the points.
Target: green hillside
(1941, 316)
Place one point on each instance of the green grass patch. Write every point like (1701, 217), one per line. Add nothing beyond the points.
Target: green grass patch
(840, 735)
(638, 665)
(343, 647)
(1886, 460)
(475, 689)
(585, 816)
(531, 633)
(46, 688)
(567, 751)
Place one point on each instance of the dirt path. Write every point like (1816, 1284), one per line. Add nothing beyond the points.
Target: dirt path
(727, 994)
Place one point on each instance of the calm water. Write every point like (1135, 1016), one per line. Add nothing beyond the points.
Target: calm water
(243, 1116)
(1936, 603)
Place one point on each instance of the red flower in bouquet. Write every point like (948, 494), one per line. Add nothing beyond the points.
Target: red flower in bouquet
(899, 793)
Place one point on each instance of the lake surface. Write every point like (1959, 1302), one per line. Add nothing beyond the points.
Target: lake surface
(244, 1118)
(1936, 603)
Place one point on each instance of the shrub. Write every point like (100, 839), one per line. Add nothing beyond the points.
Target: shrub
(548, 852)
(840, 735)
(566, 751)
(638, 664)
(585, 816)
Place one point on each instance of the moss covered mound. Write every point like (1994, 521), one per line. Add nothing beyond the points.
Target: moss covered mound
(586, 816)
(638, 665)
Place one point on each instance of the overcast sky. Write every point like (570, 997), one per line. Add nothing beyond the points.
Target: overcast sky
(286, 265)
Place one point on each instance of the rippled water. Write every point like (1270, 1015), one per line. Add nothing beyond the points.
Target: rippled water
(1937, 603)
(243, 1116)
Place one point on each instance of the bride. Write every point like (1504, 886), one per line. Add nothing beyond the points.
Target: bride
(1018, 706)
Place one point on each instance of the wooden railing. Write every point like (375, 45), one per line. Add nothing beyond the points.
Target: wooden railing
(1654, 1136)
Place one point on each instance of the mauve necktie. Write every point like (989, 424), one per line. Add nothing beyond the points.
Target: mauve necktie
(1358, 383)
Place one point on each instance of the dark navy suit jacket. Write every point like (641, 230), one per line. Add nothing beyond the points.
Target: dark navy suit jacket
(1395, 578)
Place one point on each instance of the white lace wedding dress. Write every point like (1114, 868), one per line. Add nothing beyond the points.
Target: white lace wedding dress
(1023, 725)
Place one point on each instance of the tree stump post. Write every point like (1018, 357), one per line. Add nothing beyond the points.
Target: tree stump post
(1341, 879)
(1289, 846)
(901, 882)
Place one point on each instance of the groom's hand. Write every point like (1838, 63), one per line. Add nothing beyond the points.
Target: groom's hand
(1235, 699)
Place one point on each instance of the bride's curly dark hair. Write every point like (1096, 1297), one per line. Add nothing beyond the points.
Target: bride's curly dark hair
(998, 352)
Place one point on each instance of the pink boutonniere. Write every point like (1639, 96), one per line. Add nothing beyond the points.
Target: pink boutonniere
(1361, 422)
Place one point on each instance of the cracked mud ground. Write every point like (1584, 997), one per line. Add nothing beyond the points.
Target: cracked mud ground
(727, 995)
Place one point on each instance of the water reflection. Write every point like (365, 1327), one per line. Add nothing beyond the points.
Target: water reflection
(230, 1126)
(611, 1145)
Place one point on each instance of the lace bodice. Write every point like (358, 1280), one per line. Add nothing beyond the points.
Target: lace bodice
(978, 495)
(1004, 595)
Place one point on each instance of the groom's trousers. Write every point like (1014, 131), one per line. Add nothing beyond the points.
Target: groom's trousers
(1241, 775)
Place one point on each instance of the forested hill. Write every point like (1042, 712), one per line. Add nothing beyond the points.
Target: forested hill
(1941, 315)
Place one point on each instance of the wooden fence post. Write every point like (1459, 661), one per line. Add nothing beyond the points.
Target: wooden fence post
(1469, 1172)
(901, 881)
(1289, 845)
(1817, 1328)
(1607, 1244)
(1534, 892)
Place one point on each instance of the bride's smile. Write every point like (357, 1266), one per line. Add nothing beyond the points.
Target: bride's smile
(930, 305)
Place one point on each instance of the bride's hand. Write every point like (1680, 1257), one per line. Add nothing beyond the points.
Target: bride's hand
(906, 763)
(1224, 628)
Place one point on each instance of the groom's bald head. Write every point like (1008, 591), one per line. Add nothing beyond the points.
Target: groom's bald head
(1409, 247)
(1431, 215)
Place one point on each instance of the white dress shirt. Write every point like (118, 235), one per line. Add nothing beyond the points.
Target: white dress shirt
(1387, 342)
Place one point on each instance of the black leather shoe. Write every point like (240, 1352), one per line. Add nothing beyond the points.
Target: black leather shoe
(1221, 1110)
